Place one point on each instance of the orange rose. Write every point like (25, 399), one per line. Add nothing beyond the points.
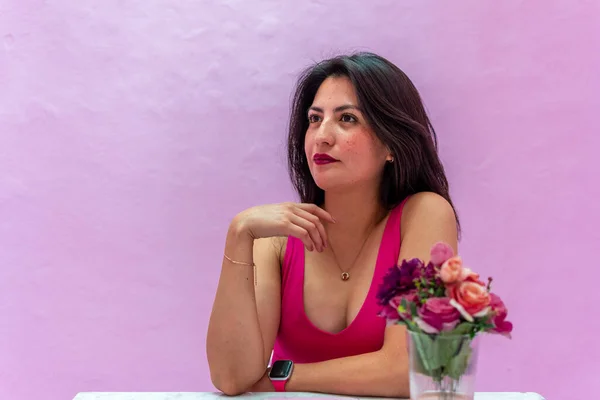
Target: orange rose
(471, 296)
(467, 275)
(451, 270)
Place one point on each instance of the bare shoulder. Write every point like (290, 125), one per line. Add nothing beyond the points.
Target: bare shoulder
(427, 218)
(427, 207)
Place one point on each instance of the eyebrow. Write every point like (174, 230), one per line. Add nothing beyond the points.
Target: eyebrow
(337, 109)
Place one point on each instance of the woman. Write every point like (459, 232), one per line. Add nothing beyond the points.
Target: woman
(362, 156)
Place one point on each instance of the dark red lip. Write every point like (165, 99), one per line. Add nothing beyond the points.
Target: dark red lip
(321, 159)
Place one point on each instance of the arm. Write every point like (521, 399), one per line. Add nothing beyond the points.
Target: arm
(382, 373)
(244, 319)
(427, 218)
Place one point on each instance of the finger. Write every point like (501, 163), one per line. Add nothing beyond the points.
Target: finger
(302, 234)
(311, 228)
(318, 211)
(315, 220)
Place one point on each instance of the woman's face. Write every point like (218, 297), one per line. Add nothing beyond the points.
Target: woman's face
(342, 150)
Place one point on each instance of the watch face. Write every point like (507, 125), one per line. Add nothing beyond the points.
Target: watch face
(281, 369)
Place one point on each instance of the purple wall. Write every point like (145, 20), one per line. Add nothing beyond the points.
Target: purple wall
(132, 131)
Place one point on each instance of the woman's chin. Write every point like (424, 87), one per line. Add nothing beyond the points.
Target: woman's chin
(327, 184)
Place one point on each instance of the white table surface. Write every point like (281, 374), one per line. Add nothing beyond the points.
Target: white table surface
(260, 396)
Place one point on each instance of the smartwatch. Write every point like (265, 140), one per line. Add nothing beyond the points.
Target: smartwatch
(280, 373)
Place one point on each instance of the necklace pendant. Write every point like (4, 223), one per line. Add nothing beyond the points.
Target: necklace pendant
(345, 276)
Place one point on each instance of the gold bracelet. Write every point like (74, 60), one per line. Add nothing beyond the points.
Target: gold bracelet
(246, 264)
(239, 262)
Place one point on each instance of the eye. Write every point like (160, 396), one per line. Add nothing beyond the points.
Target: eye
(348, 118)
(312, 118)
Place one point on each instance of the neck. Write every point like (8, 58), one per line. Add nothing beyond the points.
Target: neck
(356, 212)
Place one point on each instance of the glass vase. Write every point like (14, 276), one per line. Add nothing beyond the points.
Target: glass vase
(442, 367)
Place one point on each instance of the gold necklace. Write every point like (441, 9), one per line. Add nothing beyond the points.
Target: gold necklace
(346, 274)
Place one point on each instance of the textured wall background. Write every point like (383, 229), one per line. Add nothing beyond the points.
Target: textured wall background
(132, 131)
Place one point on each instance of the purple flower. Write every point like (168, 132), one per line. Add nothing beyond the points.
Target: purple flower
(429, 271)
(399, 280)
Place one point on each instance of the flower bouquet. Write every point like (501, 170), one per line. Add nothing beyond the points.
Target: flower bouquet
(444, 306)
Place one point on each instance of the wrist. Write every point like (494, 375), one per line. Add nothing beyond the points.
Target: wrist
(238, 229)
(282, 373)
(294, 383)
(239, 244)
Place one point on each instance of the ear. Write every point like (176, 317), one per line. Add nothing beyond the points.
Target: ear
(390, 154)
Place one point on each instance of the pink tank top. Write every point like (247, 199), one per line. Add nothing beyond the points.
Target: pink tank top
(301, 341)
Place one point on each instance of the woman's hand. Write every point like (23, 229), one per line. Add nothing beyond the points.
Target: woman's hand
(301, 220)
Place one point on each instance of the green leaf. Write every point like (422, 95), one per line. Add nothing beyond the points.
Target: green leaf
(413, 309)
(463, 328)
(486, 318)
(424, 346)
(404, 304)
(437, 351)
(418, 365)
(403, 307)
(458, 364)
(483, 324)
(448, 347)
(412, 326)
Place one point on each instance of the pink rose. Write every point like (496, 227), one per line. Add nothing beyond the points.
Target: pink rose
(499, 312)
(451, 270)
(437, 313)
(391, 312)
(397, 302)
(440, 252)
(473, 297)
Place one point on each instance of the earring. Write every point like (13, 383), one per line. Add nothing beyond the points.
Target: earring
(391, 160)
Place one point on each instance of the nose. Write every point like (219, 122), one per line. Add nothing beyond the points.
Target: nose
(325, 133)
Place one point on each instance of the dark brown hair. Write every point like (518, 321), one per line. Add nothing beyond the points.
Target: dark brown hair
(393, 108)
